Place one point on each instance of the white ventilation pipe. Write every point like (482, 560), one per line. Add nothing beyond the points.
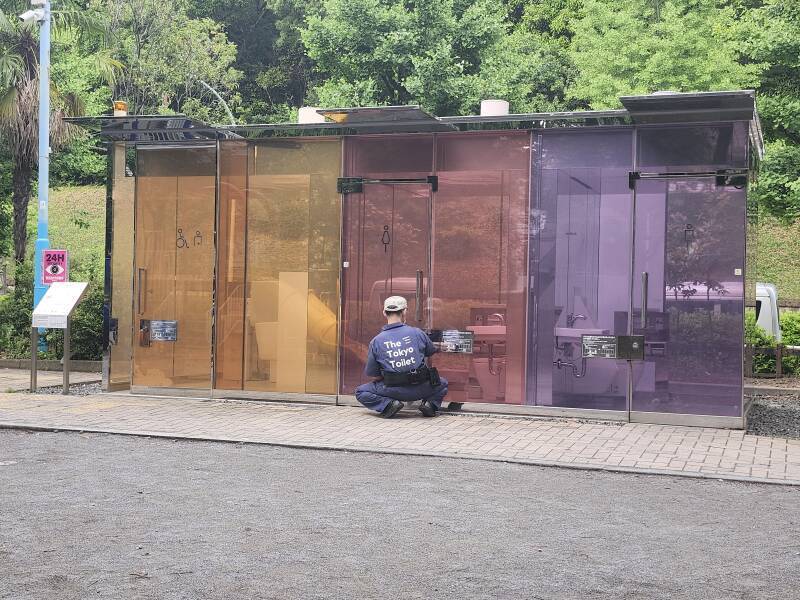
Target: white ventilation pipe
(309, 114)
(494, 108)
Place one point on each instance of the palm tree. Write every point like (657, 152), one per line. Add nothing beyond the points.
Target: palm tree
(19, 106)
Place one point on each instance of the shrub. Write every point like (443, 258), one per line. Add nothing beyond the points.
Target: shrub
(757, 337)
(87, 320)
(790, 328)
(15, 315)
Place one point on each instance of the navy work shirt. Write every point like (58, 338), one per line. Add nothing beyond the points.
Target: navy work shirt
(398, 348)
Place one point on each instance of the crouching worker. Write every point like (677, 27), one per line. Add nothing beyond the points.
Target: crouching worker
(396, 360)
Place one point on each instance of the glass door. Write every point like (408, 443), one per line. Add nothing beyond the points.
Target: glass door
(688, 295)
(387, 253)
(174, 268)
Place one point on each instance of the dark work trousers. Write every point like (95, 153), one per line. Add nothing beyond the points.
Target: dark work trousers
(376, 396)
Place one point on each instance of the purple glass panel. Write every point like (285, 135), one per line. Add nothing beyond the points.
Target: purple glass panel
(580, 253)
(480, 261)
(692, 148)
(690, 238)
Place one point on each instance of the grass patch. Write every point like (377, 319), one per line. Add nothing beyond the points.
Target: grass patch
(778, 257)
(77, 218)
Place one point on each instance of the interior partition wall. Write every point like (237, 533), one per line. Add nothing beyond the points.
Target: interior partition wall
(278, 266)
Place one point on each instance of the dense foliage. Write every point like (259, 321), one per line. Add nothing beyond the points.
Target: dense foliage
(268, 57)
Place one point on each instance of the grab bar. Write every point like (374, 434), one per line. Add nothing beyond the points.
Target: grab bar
(643, 318)
(418, 297)
(139, 303)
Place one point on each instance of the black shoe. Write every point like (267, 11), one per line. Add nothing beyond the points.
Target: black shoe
(391, 409)
(428, 409)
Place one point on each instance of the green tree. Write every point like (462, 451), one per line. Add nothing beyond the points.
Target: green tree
(276, 71)
(166, 55)
(640, 46)
(19, 99)
(391, 52)
(770, 35)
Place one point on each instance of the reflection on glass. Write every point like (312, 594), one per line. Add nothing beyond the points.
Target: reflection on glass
(175, 200)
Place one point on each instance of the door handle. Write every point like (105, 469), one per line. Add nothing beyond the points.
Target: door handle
(643, 316)
(418, 297)
(139, 283)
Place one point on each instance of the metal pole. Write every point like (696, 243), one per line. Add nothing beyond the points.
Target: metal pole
(42, 240)
(34, 352)
(66, 357)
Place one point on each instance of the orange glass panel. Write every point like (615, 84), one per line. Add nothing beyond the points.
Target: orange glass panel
(175, 206)
(231, 265)
(290, 329)
(119, 370)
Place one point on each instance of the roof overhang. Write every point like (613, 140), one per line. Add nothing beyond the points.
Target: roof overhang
(152, 129)
(693, 107)
(660, 107)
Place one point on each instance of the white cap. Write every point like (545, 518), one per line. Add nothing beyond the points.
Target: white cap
(394, 304)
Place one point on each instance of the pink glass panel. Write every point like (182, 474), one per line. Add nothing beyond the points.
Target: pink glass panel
(479, 262)
(386, 241)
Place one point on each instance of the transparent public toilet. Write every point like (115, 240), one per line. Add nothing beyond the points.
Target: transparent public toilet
(595, 261)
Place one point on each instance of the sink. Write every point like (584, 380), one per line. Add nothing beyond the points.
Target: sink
(575, 333)
(488, 333)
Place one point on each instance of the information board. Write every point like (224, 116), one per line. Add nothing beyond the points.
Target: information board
(58, 303)
(55, 266)
(622, 347)
(599, 346)
(453, 340)
(163, 331)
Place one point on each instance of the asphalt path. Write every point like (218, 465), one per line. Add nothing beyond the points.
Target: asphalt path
(104, 516)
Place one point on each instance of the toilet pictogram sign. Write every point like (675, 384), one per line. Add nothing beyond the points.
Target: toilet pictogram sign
(55, 266)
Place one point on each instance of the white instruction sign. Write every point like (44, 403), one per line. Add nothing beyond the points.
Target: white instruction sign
(58, 303)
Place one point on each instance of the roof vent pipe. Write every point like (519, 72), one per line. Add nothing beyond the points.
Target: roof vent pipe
(309, 114)
(494, 108)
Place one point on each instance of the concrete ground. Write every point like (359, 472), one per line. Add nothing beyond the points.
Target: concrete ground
(15, 380)
(103, 516)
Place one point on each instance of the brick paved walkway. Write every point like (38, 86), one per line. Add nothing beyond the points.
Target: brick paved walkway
(657, 449)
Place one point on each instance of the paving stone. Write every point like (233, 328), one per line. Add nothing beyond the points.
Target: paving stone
(670, 449)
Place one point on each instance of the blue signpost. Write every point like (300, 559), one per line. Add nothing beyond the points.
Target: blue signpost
(42, 14)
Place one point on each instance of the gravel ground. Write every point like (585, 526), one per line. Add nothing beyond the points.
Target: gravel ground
(776, 415)
(76, 389)
(782, 382)
(100, 516)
